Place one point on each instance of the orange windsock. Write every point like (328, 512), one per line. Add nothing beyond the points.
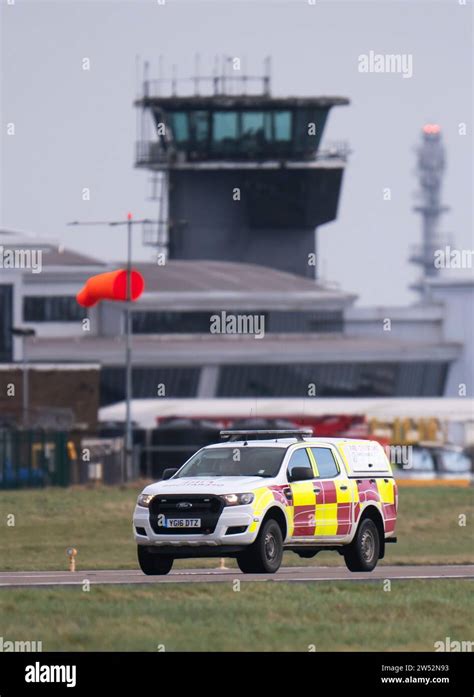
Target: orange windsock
(110, 286)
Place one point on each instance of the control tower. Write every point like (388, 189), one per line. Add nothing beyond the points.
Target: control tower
(239, 176)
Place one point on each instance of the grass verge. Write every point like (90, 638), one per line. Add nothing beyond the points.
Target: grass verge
(98, 523)
(359, 616)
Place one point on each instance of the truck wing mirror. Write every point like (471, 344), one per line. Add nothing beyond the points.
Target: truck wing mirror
(299, 474)
(168, 473)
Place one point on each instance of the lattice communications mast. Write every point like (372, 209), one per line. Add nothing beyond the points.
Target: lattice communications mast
(430, 168)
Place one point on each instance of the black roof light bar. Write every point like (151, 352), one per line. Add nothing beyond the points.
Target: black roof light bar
(299, 434)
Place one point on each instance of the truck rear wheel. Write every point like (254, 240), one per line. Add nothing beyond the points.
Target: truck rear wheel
(265, 554)
(363, 552)
(153, 564)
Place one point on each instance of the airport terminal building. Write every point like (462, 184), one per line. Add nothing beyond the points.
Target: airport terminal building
(229, 329)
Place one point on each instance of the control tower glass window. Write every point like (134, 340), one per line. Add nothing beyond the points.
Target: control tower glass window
(180, 126)
(244, 133)
(200, 125)
(255, 129)
(282, 126)
(224, 126)
(304, 142)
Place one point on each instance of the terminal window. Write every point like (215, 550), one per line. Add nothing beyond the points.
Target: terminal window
(6, 321)
(52, 309)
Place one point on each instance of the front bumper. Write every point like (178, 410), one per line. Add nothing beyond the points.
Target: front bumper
(230, 517)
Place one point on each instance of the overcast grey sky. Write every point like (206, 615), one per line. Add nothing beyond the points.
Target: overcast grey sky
(76, 128)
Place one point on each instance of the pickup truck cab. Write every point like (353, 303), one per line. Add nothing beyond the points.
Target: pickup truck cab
(258, 493)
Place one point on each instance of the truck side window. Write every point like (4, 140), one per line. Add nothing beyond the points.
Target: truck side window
(325, 462)
(300, 459)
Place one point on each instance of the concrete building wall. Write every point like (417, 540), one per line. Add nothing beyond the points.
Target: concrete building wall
(209, 223)
(457, 298)
(108, 320)
(416, 323)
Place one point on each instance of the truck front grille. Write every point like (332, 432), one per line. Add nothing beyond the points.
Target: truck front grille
(206, 508)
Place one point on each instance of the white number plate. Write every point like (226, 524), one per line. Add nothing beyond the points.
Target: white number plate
(183, 523)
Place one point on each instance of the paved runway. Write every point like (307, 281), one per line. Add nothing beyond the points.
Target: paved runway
(9, 579)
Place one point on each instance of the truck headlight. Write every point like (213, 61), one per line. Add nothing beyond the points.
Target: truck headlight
(238, 499)
(144, 500)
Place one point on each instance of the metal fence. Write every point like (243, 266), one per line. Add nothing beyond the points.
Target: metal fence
(38, 458)
(102, 460)
(33, 458)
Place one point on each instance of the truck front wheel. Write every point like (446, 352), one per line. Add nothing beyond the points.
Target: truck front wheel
(363, 552)
(153, 564)
(265, 554)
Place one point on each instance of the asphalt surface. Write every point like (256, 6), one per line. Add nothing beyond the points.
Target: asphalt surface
(11, 579)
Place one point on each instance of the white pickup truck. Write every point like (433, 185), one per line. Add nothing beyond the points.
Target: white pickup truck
(258, 493)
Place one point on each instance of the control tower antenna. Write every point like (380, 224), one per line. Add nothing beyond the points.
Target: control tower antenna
(267, 80)
(197, 61)
(430, 168)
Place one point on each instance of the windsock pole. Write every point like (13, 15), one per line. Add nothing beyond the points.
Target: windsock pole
(127, 462)
(128, 358)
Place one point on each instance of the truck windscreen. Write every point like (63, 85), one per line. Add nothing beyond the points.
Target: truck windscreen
(243, 461)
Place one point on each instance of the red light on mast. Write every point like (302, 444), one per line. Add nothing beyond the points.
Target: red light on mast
(431, 129)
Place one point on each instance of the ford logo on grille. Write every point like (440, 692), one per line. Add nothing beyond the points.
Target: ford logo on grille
(184, 504)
